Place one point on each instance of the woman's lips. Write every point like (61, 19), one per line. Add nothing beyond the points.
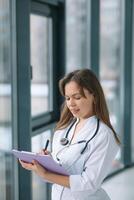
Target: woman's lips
(75, 111)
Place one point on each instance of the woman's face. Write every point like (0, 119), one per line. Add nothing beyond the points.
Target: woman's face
(80, 106)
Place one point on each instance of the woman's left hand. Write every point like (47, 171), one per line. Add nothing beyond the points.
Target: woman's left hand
(34, 166)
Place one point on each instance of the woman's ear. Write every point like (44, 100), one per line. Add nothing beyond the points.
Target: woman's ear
(94, 99)
(94, 105)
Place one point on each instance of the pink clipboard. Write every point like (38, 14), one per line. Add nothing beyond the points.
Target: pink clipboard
(45, 160)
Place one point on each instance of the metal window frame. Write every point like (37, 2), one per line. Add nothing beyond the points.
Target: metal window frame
(58, 17)
(43, 119)
(49, 2)
(23, 92)
(94, 35)
(127, 64)
(132, 124)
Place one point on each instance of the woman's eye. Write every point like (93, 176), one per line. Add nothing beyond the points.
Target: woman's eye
(67, 99)
(77, 98)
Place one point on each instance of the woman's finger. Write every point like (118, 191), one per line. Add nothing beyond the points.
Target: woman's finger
(41, 152)
(28, 166)
(44, 152)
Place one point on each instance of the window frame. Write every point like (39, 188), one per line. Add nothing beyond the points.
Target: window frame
(56, 13)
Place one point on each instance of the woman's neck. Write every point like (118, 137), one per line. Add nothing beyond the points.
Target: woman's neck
(83, 119)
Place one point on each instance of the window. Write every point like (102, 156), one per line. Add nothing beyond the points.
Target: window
(39, 188)
(42, 84)
(110, 63)
(6, 170)
(41, 62)
(77, 34)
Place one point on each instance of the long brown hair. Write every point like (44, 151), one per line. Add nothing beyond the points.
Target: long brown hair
(85, 78)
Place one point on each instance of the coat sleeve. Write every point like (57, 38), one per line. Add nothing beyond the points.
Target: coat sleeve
(96, 167)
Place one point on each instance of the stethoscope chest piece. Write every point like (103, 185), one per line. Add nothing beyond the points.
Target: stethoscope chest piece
(64, 141)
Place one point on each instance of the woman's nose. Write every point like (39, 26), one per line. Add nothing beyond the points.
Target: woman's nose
(72, 102)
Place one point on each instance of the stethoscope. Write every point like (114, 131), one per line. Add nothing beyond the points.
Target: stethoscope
(64, 141)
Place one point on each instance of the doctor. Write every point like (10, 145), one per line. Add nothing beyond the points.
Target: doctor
(84, 142)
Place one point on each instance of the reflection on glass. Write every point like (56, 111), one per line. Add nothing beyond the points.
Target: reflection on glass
(110, 25)
(77, 34)
(41, 62)
(6, 170)
(39, 187)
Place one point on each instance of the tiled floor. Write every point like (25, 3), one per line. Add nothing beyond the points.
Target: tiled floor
(121, 186)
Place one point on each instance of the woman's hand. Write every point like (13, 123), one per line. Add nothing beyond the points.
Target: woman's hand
(45, 174)
(44, 152)
(34, 166)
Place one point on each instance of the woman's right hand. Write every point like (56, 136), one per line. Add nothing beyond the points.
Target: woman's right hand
(44, 152)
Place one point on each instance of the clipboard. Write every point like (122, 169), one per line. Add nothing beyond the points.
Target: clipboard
(45, 160)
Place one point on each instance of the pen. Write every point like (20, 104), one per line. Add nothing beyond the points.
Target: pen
(46, 145)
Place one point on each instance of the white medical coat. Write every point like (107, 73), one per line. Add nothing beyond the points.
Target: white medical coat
(88, 170)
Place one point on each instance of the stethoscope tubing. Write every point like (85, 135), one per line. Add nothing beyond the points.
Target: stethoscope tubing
(79, 142)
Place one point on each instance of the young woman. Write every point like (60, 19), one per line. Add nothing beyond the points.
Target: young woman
(84, 141)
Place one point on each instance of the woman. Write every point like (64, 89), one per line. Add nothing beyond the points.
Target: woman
(84, 142)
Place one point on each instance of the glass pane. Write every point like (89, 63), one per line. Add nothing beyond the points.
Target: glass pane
(77, 34)
(110, 65)
(6, 170)
(41, 62)
(39, 187)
